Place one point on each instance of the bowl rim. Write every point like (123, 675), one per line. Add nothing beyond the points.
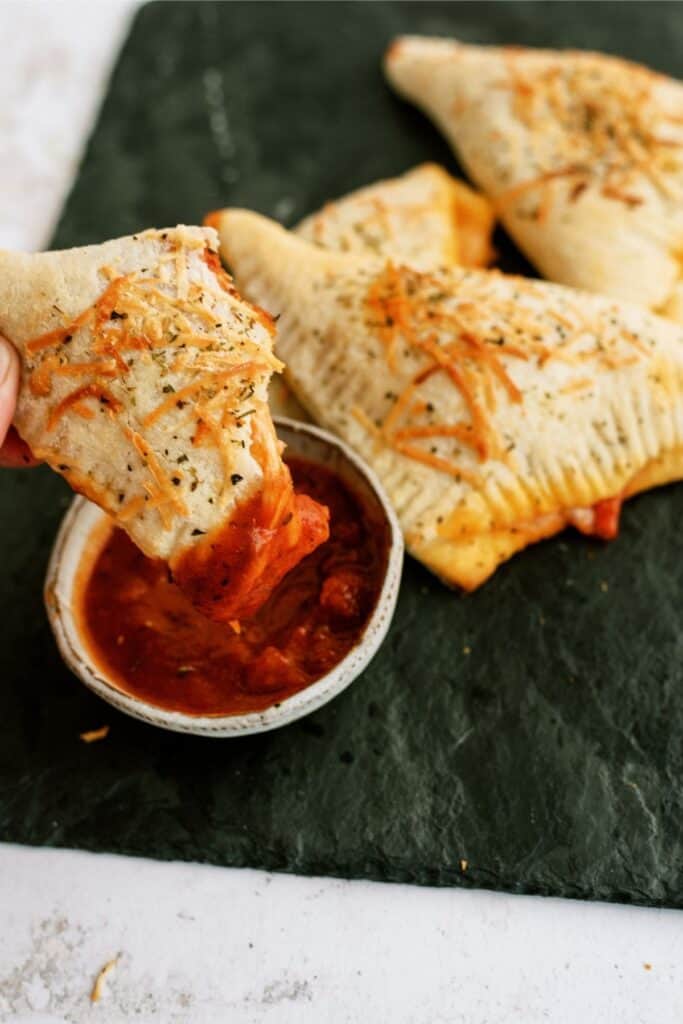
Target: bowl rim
(276, 715)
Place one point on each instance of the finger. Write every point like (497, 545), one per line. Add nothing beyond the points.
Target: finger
(9, 385)
(15, 453)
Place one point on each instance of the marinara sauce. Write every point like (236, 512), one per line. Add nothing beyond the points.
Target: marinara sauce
(156, 646)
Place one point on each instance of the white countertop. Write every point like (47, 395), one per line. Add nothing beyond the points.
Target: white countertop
(199, 944)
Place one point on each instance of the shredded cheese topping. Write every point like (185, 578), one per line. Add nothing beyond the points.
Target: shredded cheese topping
(593, 121)
(472, 335)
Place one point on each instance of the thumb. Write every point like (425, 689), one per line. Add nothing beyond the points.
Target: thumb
(9, 385)
(13, 451)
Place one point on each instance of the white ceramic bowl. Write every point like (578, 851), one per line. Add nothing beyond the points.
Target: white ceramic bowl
(83, 517)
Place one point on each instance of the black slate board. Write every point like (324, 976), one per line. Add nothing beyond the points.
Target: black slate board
(534, 729)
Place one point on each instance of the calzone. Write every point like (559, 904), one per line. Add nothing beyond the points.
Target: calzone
(496, 410)
(144, 383)
(425, 218)
(581, 153)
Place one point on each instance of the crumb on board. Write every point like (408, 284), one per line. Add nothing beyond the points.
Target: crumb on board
(97, 989)
(648, 967)
(463, 864)
(95, 734)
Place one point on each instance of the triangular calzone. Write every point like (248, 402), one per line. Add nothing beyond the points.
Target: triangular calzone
(425, 218)
(144, 383)
(496, 410)
(581, 153)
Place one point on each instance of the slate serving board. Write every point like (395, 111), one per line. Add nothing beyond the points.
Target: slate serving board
(533, 730)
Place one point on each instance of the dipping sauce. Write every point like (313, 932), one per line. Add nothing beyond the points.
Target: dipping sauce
(149, 639)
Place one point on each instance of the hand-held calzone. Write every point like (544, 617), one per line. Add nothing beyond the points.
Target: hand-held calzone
(581, 153)
(145, 381)
(496, 410)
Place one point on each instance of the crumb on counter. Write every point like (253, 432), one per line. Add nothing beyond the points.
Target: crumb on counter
(93, 735)
(97, 989)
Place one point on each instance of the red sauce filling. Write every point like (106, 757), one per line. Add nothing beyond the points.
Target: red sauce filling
(606, 521)
(156, 645)
(230, 573)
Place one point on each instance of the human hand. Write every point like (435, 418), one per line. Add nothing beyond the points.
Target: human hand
(13, 451)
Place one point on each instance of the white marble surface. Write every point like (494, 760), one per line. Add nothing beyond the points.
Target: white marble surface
(55, 60)
(200, 944)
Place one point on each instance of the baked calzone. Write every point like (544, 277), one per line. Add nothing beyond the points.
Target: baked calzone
(581, 153)
(145, 380)
(496, 410)
(425, 218)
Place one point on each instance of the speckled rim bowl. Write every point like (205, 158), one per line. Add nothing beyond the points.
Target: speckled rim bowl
(82, 518)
